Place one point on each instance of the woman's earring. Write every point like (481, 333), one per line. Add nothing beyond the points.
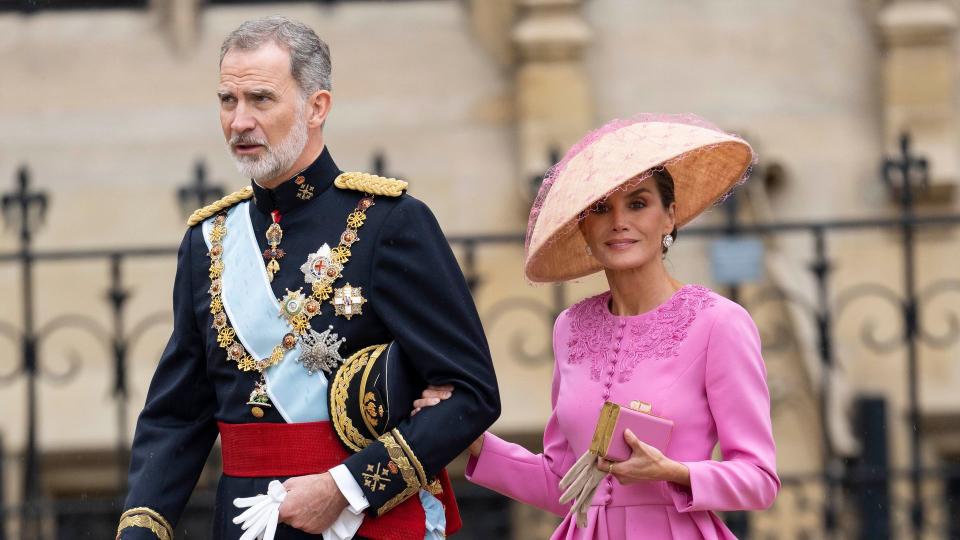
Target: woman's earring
(588, 250)
(667, 241)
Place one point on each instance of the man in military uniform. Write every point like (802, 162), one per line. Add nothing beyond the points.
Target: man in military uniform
(299, 302)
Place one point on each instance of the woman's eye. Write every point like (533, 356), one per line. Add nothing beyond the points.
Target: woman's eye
(638, 204)
(599, 208)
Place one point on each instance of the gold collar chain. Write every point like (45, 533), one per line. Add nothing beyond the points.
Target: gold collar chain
(295, 307)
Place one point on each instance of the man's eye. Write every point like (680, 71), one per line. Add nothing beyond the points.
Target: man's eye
(227, 99)
(261, 99)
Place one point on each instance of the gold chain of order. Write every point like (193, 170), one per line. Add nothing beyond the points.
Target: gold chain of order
(322, 289)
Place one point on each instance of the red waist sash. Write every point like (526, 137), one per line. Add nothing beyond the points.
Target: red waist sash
(264, 450)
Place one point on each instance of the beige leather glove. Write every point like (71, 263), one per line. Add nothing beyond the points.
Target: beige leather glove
(579, 485)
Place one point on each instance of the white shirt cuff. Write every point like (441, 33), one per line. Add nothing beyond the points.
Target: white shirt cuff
(350, 488)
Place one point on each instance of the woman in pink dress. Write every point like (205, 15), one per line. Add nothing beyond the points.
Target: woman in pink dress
(614, 203)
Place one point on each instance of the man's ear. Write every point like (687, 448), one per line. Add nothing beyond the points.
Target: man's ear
(319, 104)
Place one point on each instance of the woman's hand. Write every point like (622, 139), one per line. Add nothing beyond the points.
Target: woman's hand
(646, 463)
(432, 396)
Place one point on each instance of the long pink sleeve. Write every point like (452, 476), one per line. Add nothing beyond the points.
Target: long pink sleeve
(739, 402)
(514, 471)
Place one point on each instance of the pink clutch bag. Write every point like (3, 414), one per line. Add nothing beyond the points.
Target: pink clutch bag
(608, 441)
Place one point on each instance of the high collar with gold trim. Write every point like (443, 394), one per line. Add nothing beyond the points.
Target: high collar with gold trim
(294, 192)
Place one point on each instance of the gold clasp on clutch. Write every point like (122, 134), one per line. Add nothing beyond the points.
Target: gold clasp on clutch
(641, 406)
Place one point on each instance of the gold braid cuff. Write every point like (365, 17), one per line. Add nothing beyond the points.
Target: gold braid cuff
(421, 475)
(146, 518)
(213, 209)
(371, 183)
(398, 456)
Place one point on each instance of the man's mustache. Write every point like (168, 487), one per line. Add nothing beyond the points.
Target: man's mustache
(247, 140)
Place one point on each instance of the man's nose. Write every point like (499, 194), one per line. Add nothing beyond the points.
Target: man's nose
(242, 121)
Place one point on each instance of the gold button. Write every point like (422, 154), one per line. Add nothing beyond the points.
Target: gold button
(257, 412)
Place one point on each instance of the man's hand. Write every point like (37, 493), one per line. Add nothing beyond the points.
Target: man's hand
(313, 503)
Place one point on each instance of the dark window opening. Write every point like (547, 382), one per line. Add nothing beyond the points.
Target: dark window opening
(31, 6)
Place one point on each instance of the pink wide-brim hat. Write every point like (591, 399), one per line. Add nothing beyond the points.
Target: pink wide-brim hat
(705, 162)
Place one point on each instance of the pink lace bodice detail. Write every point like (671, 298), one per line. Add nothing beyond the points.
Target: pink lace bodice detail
(594, 331)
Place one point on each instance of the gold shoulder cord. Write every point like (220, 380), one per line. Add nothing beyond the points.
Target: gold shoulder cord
(146, 518)
(357, 181)
(213, 209)
(371, 183)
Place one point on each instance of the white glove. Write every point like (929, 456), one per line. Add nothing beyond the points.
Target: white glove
(262, 514)
(579, 485)
(259, 520)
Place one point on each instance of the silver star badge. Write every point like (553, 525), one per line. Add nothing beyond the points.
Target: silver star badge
(321, 351)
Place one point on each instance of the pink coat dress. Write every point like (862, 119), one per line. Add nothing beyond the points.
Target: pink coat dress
(696, 359)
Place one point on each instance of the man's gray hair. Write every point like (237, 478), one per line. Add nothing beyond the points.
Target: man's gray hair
(309, 55)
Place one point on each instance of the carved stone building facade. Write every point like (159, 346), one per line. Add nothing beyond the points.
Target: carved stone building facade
(111, 107)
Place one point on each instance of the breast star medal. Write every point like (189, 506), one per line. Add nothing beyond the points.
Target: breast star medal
(348, 301)
(321, 351)
(321, 266)
(298, 309)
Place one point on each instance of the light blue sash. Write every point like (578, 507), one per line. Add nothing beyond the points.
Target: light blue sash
(254, 313)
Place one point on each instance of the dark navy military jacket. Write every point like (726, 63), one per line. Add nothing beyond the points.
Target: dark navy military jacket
(416, 296)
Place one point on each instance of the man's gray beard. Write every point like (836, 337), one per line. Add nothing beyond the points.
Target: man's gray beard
(276, 160)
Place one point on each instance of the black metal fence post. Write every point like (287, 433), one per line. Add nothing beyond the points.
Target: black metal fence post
(952, 496)
(871, 483)
(831, 467)
(908, 172)
(27, 209)
(118, 296)
(199, 191)
(470, 274)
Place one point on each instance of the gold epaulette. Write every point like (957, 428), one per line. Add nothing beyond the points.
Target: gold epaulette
(371, 183)
(219, 206)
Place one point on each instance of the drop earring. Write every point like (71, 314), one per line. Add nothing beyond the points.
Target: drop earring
(667, 241)
(588, 250)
